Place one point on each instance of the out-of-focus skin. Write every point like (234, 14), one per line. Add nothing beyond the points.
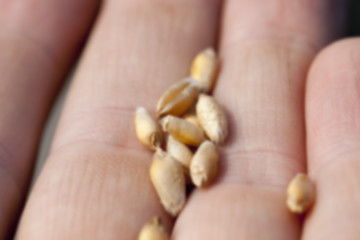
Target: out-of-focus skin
(39, 40)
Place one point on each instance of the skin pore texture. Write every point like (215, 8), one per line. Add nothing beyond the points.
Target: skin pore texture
(291, 109)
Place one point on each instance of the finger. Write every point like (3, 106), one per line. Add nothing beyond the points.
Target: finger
(96, 179)
(332, 116)
(37, 45)
(266, 47)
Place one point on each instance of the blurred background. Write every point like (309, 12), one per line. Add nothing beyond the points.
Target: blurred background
(354, 18)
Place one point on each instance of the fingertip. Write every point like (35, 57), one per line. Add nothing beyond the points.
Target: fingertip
(332, 97)
(333, 140)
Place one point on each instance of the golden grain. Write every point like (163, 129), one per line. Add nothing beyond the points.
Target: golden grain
(204, 165)
(153, 230)
(168, 178)
(183, 130)
(178, 98)
(300, 193)
(147, 129)
(192, 118)
(204, 69)
(212, 118)
(180, 152)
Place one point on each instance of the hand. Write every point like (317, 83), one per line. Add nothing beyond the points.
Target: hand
(95, 184)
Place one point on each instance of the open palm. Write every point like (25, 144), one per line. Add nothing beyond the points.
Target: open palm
(95, 184)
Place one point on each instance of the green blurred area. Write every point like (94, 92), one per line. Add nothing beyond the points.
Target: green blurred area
(354, 18)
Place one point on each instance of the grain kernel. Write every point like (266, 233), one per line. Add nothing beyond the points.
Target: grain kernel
(300, 193)
(183, 130)
(172, 92)
(147, 130)
(204, 69)
(168, 178)
(204, 165)
(212, 118)
(153, 230)
(192, 118)
(178, 98)
(180, 152)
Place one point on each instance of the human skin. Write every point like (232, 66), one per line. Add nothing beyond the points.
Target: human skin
(289, 112)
